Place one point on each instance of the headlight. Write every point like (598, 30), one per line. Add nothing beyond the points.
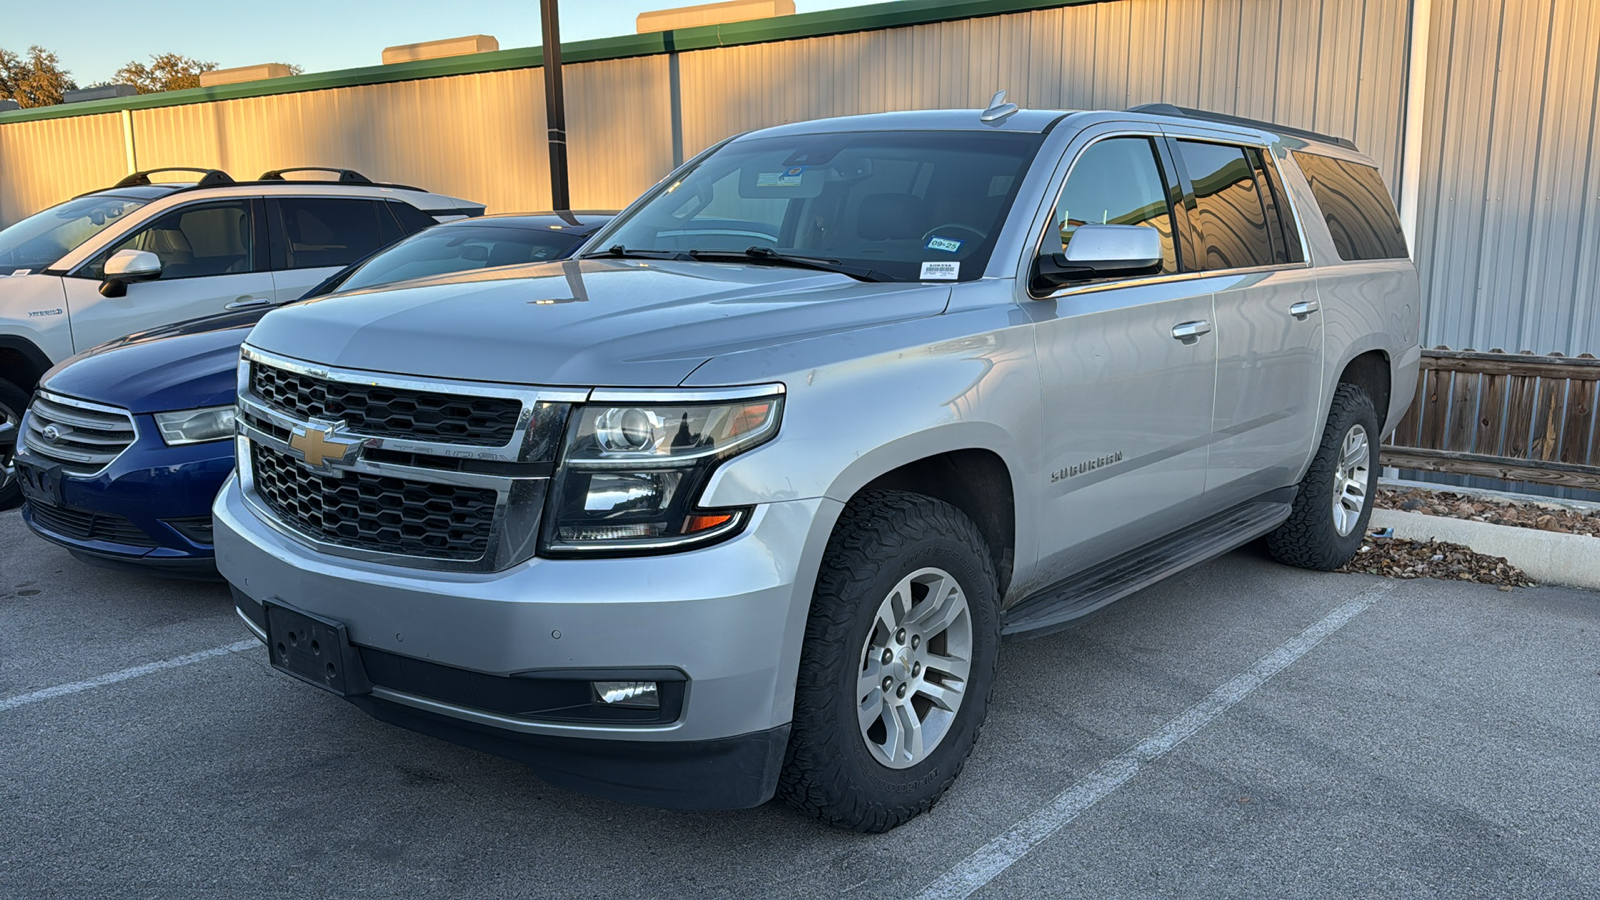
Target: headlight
(631, 474)
(194, 426)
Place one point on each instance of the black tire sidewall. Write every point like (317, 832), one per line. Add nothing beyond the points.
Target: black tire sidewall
(946, 759)
(828, 771)
(14, 399)
(1309, 538)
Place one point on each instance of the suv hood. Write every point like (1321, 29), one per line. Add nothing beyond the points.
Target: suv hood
(182, 367)
(601, 323)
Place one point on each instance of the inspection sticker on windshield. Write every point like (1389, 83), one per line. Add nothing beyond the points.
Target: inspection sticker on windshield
(941, 271)
(790, 177)
(948, 245)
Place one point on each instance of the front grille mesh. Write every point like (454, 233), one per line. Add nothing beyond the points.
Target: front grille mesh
(376, 512)
(85, 525)
(81, 439)
(384, 411)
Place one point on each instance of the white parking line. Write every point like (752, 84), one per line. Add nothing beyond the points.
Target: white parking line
(61, 690)
(986, 864)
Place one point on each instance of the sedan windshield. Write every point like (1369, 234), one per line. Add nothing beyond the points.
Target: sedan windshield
(38, 241)
(899, 205)
(460, 248)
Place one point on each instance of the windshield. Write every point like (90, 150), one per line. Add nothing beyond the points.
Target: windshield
(38, 241)
(460, 248)
(906, 205)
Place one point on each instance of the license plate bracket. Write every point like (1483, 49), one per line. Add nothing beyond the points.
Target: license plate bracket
(40, 486)
(315, 650)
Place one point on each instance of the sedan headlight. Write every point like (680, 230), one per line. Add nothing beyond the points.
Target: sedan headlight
(631, 474)
(195, 426)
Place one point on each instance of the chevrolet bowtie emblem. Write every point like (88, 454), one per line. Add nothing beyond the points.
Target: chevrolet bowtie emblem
(320, 446)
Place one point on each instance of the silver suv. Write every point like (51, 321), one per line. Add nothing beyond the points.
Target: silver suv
(743, 501)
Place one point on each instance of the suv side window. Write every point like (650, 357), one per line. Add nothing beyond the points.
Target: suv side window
(196, 241)
(1229, 215)
(1280, 218)
(320, 232)
(1116, 181)
(1357, 206)
(412, 220)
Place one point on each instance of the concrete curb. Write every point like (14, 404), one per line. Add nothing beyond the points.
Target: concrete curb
(1549, 557)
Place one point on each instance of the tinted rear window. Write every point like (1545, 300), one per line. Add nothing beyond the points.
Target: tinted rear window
(1357, 207)
(1229, 212)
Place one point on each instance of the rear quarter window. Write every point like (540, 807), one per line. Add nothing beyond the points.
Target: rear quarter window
(1357, 207)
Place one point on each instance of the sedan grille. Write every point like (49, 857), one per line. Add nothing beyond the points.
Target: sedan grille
(84, 525)
(83, 438)
(428, 520)
(386, 411)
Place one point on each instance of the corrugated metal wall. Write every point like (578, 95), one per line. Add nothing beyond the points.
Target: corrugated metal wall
(1509, 233)
(43, 163)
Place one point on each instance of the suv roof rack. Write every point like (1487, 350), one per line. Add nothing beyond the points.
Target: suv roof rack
(1167, 109)
(346, 176)
(208, 177)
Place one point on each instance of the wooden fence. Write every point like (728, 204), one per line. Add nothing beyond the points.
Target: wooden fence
(1513, 416)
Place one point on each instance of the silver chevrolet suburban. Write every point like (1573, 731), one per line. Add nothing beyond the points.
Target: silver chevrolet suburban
(741, 502)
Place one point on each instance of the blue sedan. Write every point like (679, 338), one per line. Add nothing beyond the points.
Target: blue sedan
(125, 446)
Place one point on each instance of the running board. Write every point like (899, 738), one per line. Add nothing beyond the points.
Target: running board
(1059, 605)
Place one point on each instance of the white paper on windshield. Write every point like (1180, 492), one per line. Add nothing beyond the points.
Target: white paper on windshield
(941, 271)
(21, 272)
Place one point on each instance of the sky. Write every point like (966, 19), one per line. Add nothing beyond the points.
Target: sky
(99, 36)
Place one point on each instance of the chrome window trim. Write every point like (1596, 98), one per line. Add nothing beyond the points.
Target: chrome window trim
(24, 443)
(1143, 280)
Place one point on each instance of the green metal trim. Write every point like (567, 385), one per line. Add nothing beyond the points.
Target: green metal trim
(900, 14)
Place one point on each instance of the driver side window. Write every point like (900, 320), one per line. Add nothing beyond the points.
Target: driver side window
(194, 242)
(1115, 182)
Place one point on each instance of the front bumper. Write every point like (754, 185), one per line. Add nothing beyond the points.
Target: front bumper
(729, 617)
(159, 498)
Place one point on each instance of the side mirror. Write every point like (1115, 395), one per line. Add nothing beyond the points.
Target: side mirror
(1101, 251)
(127, 266)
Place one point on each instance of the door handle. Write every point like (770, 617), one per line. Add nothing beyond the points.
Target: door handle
(1304, 308)
(248, 302)
(1189, 332)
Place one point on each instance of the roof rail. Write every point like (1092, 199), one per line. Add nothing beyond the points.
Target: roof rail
(346, 176)
(1167, 109)
(208, 177)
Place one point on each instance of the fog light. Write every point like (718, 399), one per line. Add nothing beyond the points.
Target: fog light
(630, 694)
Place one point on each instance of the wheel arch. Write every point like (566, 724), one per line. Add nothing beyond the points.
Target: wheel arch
(21, 362)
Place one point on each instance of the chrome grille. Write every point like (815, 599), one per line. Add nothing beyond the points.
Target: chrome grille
(82, 437)
(377, 512)
(445, 475)
(382, 410)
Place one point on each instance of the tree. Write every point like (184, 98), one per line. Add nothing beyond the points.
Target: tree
(166, 72)
(33, 80)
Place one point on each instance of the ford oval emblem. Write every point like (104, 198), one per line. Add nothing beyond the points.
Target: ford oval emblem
(51, 433)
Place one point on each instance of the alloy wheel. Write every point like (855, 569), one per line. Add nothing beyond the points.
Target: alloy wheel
(914, 668)
(1352, 477)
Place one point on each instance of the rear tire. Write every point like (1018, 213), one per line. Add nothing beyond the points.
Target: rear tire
(906, 597)
(1334, 504)
(13, 400)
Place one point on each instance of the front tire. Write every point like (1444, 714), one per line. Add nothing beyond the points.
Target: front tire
(13, 401)
(898, 663)
(1334, 504)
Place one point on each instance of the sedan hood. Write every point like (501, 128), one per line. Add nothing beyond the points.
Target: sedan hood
(616, 323)
(157, 374)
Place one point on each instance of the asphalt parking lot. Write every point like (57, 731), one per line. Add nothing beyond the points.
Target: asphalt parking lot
(1243, 730)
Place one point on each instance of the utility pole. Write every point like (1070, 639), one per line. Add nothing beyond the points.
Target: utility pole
(555, 104)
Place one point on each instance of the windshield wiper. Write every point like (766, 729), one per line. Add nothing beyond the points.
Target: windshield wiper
(617, 251)
(773, 257)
